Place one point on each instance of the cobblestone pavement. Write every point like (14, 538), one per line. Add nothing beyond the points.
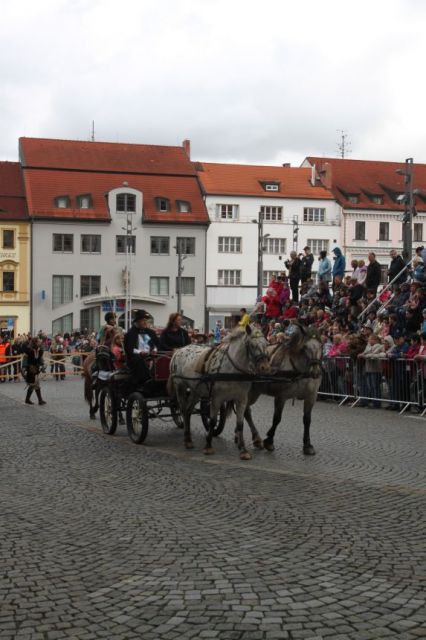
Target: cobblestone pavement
(101, 538)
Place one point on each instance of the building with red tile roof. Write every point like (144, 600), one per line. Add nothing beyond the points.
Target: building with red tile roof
(14, 251)
(369, 193)
(295, 210)
(82, 197)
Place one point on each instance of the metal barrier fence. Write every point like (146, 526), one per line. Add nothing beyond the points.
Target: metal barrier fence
(396, 382)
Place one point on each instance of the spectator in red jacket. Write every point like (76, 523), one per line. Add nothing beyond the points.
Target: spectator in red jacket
(272, 304)
(290, 311)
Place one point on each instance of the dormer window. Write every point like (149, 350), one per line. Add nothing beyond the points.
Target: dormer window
(270, 185)
(84, 201)
(62, 202)
(183, 206)
(163, 204)
(377, 199)
(126, 202)
(353, 198)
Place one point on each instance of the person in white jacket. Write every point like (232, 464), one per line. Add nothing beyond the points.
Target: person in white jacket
(371, 386)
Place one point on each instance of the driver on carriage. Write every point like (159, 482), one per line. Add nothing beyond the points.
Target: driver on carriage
(139, 342)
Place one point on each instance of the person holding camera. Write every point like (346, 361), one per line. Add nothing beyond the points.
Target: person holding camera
(294, 265)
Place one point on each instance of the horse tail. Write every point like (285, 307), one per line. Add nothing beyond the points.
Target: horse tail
(171, 387)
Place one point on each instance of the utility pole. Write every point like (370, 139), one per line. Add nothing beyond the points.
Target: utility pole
(260, 255)
(127, 271)
(409, 209)
(181, 258)
(344, 146)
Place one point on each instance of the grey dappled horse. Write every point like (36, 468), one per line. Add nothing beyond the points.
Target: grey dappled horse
(243, 352)
(298, 360)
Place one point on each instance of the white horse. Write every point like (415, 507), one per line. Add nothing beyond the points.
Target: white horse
(298, 364)
(240, 354)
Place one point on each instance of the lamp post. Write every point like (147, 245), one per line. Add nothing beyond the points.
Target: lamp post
(409, 209)
(260, 248)
(181, 258)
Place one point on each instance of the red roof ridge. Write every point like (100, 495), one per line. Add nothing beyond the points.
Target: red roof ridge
(94, 142)
(346, 160)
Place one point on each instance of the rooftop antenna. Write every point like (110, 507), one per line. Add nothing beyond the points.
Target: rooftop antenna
(93, 131)
(344, 146)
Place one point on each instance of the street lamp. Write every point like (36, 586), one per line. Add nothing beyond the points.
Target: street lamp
(181, 258)
(409, 210)
(260, 248)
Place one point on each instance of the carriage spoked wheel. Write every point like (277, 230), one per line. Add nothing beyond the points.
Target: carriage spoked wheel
(108, 411)
(137, 417)
(176, 415)
(205, 417)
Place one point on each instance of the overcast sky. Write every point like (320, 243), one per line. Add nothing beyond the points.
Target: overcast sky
(261, 81)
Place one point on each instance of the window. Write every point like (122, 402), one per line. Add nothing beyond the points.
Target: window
(84, 201)
(160, 245)
(121, 242)
(359, 230)
(384, 231)
(126, 202)
(8, 239)
(63, 242)
(377, 199)
(186, 246)
(229, 277)
(313, 214)
(353, 198)
(8, 281)
(62, 202)
(229, 244)
(90, 243)
(90, 286)
(272, 214)
(267, 277)
(188, 286)
(62, 325)
(227, 211)
(271, 187)
(317, 245)
(158, 286)
(418, 232)
(62, 290)
(90, 319)
(274, 245)
(163, 204)
(183, 206)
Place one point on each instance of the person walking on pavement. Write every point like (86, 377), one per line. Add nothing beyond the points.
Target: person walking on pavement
(33, 365)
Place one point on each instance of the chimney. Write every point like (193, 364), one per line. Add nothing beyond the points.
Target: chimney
(326, 175)
(186, 144)
(313, 175)
(286, 164)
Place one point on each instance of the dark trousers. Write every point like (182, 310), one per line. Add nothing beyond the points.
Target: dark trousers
(294, 286)
(140, 370)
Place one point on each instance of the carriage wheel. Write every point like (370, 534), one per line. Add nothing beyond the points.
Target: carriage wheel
(205, 416)
(176, 414)
(108, 411)
(137, 417)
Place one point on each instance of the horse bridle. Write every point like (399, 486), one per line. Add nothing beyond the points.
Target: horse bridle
(311, 363)
(252, 357)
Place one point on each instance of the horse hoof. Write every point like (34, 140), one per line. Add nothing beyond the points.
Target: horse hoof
(208, 451)
(257, 442)
(189, 445)
(309, 451)
(269, 446)
(245, 455)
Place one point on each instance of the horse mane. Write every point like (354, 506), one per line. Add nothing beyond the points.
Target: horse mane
(238, 332)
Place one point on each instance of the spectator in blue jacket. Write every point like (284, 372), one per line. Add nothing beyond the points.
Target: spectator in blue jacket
(339, 264)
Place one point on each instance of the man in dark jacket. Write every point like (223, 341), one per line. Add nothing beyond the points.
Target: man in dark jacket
(306, 265)
(293, 265)
(395, 266)
(139, 342)
(374, 273)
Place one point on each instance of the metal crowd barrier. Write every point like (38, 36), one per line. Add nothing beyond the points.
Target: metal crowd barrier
(57, 365)
(397, 383)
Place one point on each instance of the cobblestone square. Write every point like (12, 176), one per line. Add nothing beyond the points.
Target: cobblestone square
(105, 539)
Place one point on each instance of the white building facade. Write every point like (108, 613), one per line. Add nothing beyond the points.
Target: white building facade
(232, 238)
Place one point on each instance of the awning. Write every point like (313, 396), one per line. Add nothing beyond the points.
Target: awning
(91, 300)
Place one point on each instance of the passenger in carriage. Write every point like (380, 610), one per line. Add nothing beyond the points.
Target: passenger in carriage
(174, 336)
(110, 322)
(117, 350)
(139, 342)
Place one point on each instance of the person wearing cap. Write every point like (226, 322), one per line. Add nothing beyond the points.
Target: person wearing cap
(306, 265)
(139, 342)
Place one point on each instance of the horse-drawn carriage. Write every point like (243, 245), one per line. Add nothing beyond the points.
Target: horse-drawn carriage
(120, 395)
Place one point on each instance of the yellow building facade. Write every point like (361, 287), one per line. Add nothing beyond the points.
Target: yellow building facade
(14, 253)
